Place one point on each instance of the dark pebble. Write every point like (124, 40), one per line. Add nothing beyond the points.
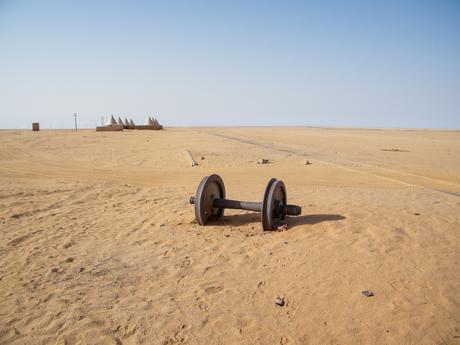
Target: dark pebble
(279, 301)
(367, 293)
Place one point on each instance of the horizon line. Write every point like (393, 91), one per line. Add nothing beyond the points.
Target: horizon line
(444, 129)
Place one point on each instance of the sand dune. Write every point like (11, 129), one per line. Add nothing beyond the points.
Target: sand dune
(98, 244)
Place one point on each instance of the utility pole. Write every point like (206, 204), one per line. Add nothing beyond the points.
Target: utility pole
(75, 116)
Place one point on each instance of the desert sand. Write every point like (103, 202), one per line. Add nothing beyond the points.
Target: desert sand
(99, 245)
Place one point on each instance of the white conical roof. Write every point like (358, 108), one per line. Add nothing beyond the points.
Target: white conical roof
(156, 123)
(111, 121)
(126, 122)
(131, 122)
(120, 121)
(149, 122)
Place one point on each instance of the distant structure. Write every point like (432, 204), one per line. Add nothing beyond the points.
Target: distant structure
(111, 126)
(126, 124)
(114, 125)
(35, 126)
(157, 124)
(112, 121)
(151, 124)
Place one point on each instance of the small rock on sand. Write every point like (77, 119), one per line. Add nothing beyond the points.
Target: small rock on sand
(367, 293)
(67, 245)
(279, 301)
(283, 227)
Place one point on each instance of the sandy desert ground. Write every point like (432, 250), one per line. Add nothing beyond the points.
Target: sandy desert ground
(98, 244)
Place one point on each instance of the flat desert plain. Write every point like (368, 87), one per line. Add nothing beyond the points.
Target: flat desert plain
(99, 245)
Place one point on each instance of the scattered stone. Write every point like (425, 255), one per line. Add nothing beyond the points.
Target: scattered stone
(161, 225)
(262, 161)
(279, 301)
(367, 293)
(227, 235)
(416, 214)
(307, 162)
(202, 158)
(67, 245)
(54, 270)
(81, 269)
(283, 227)
(70, 259)
(286, 242)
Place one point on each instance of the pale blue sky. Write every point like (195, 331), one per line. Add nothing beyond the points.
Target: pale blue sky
(331, 63)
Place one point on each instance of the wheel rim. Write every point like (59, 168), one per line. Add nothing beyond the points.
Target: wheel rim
(210, 188)
(275, 196)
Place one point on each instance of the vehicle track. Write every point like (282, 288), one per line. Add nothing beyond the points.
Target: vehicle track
(304, 154)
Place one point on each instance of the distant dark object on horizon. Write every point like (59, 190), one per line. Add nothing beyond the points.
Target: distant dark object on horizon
(394, 150)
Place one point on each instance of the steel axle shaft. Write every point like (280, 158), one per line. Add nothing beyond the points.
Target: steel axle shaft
(291, 210)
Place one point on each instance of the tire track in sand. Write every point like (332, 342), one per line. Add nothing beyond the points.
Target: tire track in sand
(303, 154)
